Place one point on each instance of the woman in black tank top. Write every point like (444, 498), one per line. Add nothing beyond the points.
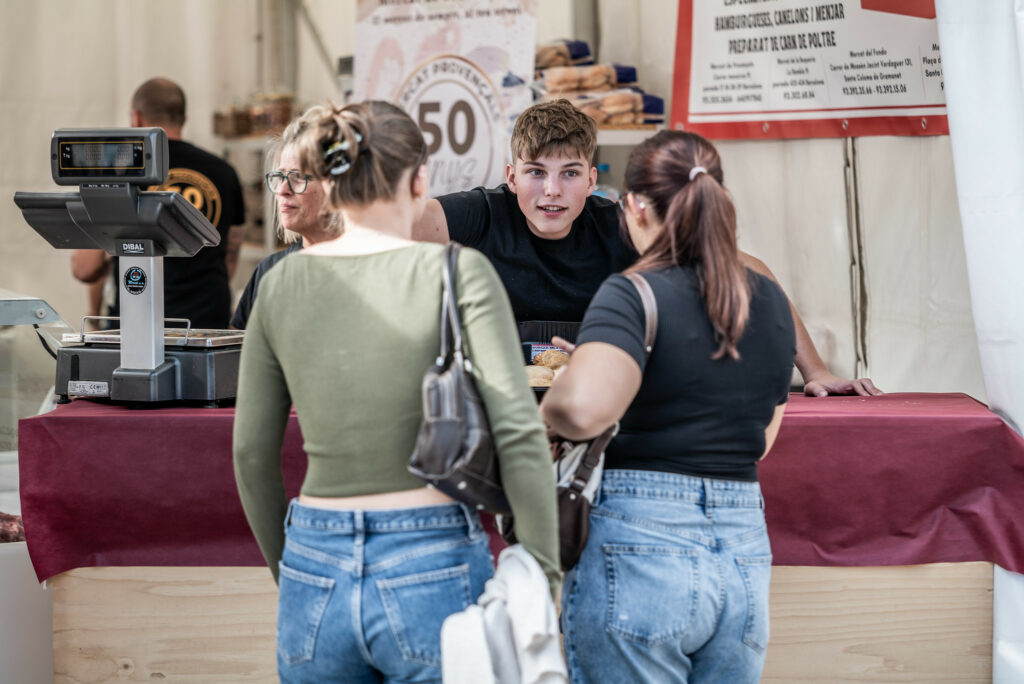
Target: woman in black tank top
(673, 584)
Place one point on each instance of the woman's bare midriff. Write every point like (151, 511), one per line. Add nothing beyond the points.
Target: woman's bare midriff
(409, 498)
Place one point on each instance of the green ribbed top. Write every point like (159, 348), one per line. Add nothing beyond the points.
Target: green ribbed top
(346, 340)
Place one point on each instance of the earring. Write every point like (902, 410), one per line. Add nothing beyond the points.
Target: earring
(640, 206)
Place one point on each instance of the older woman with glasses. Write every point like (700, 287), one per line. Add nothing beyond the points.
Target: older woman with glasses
(303, 218)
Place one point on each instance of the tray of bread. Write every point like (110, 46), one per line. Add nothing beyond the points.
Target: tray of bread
(544, 359)
(544, 365)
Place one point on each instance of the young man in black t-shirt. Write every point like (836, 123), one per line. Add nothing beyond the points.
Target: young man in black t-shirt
(195, 287)
(553, 244)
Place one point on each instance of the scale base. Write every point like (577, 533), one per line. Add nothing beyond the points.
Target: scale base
(207, 376)
(142, 385)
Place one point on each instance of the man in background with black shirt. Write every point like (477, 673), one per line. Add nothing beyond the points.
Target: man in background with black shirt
(196, 288)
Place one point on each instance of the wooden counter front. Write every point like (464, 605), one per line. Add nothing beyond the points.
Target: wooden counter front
(922, 623)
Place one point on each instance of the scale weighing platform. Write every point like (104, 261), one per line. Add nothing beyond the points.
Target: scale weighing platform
(144, 361)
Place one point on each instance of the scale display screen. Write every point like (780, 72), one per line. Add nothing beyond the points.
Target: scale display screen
(137, 156)
(125, 156)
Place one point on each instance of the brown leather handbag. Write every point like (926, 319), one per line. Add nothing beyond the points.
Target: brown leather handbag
(579, 465)
(454, 450)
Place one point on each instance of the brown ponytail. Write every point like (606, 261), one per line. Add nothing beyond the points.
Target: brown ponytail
(362, 150)
(699, 222)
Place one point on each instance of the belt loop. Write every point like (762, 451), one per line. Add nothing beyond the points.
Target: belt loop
(708, 496)
(288, 516)
(473, 525)
(358, 540)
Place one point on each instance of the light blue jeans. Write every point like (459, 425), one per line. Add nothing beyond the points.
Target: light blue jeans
(673, 583)
(363, 593)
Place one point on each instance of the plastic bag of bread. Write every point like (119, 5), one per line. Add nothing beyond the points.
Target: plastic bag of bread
(576, 78)
(622, 106)
(563, 53)
(600, 105)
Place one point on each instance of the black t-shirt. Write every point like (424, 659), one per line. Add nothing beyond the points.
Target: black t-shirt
(546, 280)
(693, 415)
(197, 287)
(241, 316)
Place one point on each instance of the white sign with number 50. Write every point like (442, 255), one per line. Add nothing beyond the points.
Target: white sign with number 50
(459, 111)
(460, 68)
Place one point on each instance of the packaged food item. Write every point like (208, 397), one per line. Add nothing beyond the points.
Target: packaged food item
(621, 106)
(594, 77)
(600, 105)
(563, 53)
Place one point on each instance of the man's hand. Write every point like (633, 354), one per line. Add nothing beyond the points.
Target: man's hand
(563, 344)
(825, 384)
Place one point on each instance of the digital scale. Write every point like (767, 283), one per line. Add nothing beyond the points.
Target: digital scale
(143, 361)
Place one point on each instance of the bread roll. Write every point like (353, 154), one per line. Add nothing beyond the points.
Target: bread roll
(619, 101)
(597, 76)
(561, 79)
(539, 376)
(551, 358)
(552, 55)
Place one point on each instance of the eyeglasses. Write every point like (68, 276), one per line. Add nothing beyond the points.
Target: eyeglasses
(622, 202)
(297, 182)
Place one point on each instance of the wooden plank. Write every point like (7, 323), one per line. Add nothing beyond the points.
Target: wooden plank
(921, 623)
(167, 624)
(930, 623)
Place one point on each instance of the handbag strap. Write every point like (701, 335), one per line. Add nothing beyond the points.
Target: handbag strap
(591, 458)
(650, 310)
(451, 324)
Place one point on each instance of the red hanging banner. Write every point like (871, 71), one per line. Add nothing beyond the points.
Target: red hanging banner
(792, 69)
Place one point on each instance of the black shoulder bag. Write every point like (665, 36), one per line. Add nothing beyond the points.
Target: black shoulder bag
(454, 450)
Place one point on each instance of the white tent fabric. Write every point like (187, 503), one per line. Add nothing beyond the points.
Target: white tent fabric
(985, 115)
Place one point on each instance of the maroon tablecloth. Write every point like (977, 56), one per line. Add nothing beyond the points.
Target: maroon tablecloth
(900, 479)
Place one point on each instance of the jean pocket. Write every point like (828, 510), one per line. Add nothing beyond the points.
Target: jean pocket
(417, 605)
(302, 600)
(756, 572)
(640, 609)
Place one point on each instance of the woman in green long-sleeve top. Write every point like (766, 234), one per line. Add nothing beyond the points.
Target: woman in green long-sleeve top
(369, 561)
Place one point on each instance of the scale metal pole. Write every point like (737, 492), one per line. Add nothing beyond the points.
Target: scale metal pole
(141, 281)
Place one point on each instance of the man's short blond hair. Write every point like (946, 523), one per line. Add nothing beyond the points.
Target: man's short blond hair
(554, 128)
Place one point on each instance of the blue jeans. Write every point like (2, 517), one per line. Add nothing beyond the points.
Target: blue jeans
(363, 593)
(673, 583)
